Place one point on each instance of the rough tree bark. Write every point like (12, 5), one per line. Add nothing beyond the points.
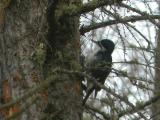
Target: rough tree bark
(36, 38)
(65, 96)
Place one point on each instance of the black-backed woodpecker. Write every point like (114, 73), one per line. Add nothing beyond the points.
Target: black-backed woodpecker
(99, 66)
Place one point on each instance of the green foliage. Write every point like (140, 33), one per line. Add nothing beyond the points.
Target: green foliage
(39, 54)
(70, 9)
(75, 65)
(59, 56)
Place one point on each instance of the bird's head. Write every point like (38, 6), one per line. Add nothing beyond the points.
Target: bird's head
(105, 45)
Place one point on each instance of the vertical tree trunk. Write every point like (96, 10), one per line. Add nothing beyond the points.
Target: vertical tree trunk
(156, 106)
(65, 96)
(24, 60)
(23, 30)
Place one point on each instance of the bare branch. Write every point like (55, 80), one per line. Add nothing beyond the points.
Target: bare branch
(144, 14)
(106, 116)
(88, 28)
(116, 16)
(140, 106)
(90, 7)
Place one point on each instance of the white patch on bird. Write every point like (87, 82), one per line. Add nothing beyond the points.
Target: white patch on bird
(90, 54)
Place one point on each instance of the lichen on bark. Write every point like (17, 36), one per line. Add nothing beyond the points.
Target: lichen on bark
(63, 53)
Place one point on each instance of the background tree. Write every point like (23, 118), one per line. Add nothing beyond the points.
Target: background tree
(40, 72)
(155, 109)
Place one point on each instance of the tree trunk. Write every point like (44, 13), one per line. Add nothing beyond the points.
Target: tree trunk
(156, 106)
(31, 47)
(65, 96)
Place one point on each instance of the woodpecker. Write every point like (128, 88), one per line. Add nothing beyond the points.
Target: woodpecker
(99, 65)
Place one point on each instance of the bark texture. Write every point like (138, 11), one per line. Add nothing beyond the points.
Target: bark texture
(35, 38)
(22, 35)
(65, 95)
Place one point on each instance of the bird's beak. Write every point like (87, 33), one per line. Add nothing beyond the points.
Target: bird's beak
(96, 42)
